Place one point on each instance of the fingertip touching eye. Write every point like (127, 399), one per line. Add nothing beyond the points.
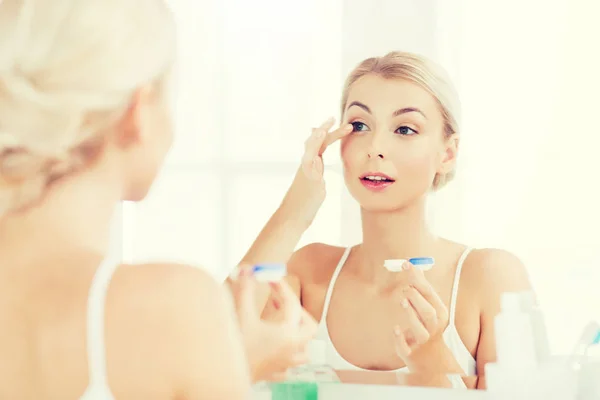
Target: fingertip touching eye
(359, 126)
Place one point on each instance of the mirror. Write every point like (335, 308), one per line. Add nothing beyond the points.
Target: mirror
(259, 75)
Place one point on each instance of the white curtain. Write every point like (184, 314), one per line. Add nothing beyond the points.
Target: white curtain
(255, 76)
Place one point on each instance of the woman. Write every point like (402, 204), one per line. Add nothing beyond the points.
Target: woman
(84, 124)
(399, 142)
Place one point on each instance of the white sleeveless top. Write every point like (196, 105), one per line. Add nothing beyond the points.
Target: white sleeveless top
(450, 335)
(98, 383)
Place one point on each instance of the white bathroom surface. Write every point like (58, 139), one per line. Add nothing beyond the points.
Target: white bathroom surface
(347, 391)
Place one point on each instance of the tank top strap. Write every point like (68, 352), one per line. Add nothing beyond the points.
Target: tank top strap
(334, 277)
(455, 284)
(96, 347)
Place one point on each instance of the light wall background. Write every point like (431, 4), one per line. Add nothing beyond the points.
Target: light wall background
(254, 77)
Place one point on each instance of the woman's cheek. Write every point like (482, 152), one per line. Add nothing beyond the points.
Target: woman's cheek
(348, 150)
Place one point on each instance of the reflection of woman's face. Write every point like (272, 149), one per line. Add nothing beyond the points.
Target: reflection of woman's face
(398, 134)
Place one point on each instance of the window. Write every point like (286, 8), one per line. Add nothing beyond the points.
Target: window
(254, 77)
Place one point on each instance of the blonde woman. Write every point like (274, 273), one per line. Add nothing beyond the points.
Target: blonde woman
(399, 142)
(84, 124)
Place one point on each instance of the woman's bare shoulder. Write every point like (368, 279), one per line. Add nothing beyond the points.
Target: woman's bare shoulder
(315, 261)
(489, 272)
(496, 268)
(181, 321)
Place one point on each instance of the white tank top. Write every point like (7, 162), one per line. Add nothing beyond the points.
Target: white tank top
(98, 384)
(450, 335)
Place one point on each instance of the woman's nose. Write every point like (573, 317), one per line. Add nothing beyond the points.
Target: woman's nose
(375, 154)
(376, 147)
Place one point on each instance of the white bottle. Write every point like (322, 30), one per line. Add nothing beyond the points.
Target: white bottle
(316, 351)
(538, 324)
(515, 343)
(517, 375)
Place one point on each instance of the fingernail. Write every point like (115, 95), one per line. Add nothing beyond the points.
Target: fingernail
(406, 266)
(404, 303)
(397, 330)
(320, 133)
(349, 127)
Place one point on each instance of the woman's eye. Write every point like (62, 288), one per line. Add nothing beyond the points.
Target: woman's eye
(359, 126)
(405, 130)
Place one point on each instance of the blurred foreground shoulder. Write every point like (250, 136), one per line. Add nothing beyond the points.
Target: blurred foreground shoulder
(193, 330)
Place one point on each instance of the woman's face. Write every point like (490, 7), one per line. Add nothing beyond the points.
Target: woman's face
(397, 145)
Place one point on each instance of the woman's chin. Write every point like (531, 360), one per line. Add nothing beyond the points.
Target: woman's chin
(380, 206)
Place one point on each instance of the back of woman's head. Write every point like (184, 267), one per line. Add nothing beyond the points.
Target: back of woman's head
(68, 72)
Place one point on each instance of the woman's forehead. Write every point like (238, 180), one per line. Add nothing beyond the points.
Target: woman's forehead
(383, 95)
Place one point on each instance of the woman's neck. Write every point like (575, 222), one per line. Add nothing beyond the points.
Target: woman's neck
(400, 234)
(75, 214)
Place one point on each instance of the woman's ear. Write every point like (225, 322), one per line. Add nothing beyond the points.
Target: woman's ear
(450, 152)
(130, 128)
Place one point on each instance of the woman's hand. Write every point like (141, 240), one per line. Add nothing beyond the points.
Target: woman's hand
(307, 192)
(423, 316)
(280, 236)
(272, 346)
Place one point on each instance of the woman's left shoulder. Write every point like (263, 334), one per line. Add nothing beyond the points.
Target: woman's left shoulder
(496, 270)
(494, 258)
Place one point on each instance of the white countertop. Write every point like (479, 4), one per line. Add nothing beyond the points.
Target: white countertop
(348, 391)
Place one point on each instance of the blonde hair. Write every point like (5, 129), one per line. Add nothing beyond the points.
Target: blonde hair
(68, 73)
(425, 73)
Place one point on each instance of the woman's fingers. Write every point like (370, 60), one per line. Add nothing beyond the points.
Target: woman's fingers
(243, 289)
(317, 142)
(308, 327)
(294, 330)
(416, 279)
(334, 136)
(289, 305)
(414, 331)
(402, 347)
(310, 159)
(424, 310)
(313, 144)
(328, 124)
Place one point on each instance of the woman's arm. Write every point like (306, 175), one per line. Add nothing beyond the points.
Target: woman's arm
(275, 243)
(278, 239)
